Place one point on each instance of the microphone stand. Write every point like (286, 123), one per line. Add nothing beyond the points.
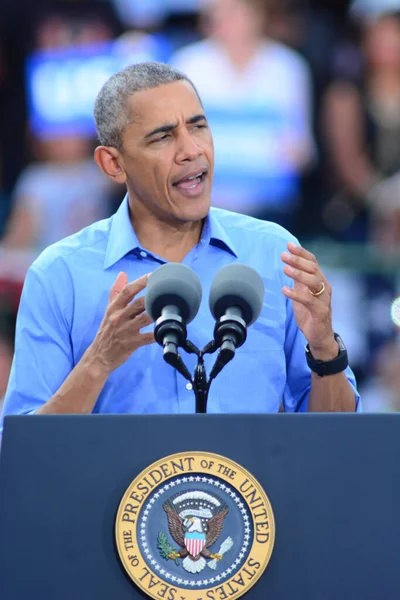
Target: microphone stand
(201, 384)
(229, 334)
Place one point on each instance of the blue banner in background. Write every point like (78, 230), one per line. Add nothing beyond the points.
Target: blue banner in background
(62, 84)
(252, 169)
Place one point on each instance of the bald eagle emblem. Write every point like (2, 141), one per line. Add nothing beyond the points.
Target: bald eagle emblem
(195, 522)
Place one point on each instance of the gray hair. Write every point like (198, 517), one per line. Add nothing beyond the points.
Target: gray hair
(111, 110)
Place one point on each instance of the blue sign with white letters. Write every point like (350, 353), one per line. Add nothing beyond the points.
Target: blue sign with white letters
(62, 85)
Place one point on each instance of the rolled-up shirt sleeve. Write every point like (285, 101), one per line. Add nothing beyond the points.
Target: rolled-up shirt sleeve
(43, 355)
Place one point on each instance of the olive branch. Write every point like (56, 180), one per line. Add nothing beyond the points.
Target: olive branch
(165, 547)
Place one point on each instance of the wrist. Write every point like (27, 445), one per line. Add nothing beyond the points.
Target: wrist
(330, 360)
(328, 351)
(95, 369)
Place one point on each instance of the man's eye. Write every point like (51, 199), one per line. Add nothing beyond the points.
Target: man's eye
(161, 138)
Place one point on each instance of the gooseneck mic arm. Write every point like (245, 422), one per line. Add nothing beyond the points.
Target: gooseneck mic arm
(230, 333)
(170, 333)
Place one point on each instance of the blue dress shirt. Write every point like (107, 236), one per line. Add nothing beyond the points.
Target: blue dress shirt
(66, 293)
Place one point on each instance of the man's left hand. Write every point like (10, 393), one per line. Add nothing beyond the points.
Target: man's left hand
(311, 297)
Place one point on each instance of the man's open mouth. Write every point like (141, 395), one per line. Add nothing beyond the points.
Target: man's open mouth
(190, 182)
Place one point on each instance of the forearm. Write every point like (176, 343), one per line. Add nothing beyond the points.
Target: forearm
(118, 337)
(81, 389)
(332, 393)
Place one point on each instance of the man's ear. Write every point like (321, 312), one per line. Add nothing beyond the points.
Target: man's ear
(110, 162)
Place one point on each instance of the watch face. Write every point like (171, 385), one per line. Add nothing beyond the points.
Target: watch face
(339, 340)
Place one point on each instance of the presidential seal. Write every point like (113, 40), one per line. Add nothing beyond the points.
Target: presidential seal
(195, 526)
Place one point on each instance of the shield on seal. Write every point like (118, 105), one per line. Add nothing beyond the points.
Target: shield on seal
(195, 542)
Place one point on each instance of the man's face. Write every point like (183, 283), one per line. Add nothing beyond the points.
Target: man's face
(168, 153)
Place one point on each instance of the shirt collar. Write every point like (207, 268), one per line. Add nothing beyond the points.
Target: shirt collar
(123, 240)
(215, 234)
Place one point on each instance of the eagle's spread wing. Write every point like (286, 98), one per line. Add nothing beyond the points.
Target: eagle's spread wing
(215, 527)
(174, 525)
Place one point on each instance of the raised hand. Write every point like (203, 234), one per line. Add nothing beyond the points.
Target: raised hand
(311, 297)
(119, 333)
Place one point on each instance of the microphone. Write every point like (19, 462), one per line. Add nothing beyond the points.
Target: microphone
(173, 296)
(236, 300)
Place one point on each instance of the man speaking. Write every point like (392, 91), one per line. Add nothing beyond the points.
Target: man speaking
(84, 341)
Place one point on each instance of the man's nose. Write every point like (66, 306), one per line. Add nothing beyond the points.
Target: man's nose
(188, 148)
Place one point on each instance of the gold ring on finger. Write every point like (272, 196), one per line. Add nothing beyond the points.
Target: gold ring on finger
(321, 291)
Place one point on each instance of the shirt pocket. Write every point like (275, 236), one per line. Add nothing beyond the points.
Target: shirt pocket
(265, 335)
(253, 382)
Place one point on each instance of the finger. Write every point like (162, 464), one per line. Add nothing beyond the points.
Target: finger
(128, 293)
(118, 286)
(135, 308)
(146, 339)
(300, 263)
(313, 282)
(301, 296)
(133, 326)
(142, 321)
(302, 252)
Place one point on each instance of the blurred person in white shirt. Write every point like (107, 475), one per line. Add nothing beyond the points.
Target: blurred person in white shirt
(250, 83)
(61, 190)
(57, 195)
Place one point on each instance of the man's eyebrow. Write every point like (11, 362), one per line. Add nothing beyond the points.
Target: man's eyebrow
(163, 129)
(196, 119)
(168, 127)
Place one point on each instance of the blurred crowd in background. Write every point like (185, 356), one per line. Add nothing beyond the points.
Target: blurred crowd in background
(303, 97)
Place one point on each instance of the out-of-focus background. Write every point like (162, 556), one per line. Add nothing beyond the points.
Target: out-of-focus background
(303, 97)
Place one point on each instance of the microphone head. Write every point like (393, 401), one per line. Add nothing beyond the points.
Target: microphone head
(237, 285)
(173, 284)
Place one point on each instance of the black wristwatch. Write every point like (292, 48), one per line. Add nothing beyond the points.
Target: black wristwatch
(329, 367)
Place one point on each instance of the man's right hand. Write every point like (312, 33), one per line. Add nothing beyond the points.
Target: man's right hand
(119, 333)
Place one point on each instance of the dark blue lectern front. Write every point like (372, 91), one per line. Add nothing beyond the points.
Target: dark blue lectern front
(333, 482)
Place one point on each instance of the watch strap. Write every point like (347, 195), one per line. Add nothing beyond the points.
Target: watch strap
(329, 367)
